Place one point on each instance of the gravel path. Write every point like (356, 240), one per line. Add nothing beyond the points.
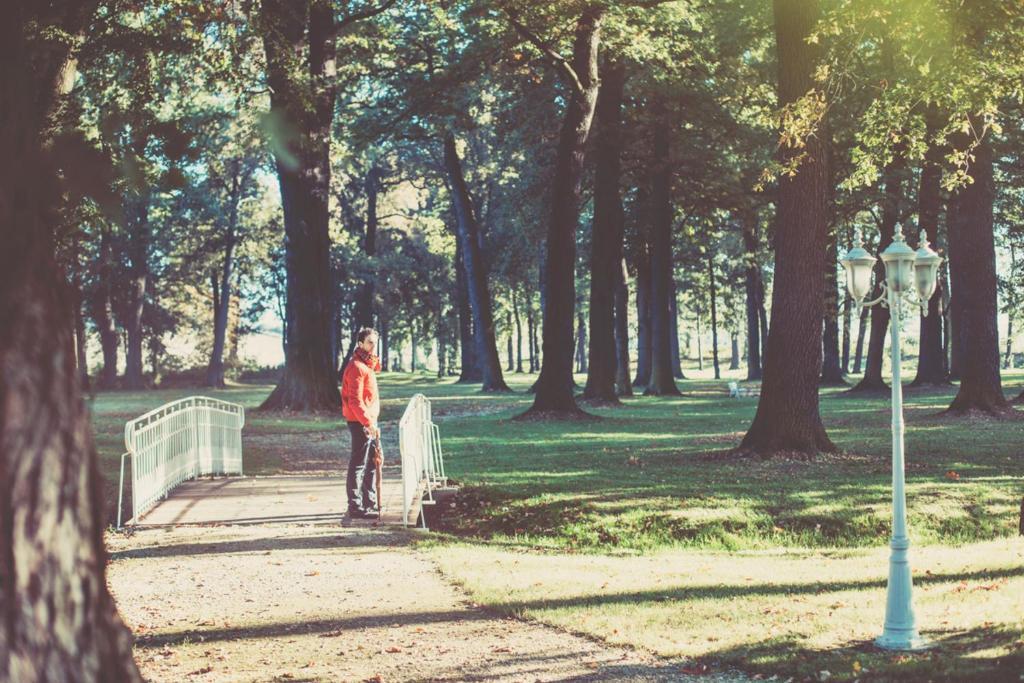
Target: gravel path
(320, 603)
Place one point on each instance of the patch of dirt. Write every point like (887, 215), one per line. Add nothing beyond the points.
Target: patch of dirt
(284, 603)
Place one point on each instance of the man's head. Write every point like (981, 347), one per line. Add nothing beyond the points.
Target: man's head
(367, 339)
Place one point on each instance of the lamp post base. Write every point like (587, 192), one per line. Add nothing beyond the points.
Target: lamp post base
(904, 641)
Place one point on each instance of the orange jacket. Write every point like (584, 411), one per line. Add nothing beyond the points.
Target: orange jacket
(359, 399)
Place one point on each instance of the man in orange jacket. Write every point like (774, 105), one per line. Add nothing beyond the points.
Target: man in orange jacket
(360, 406)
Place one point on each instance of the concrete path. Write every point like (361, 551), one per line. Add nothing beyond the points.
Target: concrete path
(311, 603)
(269, 500)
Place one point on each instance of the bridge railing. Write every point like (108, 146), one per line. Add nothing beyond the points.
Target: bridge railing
(419, 441)
(178, 441)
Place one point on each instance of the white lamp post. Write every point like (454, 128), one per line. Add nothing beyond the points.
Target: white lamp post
(905, 270)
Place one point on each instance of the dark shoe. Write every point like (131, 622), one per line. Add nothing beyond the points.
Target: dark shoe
(356, 513)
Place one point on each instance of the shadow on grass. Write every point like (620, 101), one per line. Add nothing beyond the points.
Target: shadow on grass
(955, 656)
(725, 592)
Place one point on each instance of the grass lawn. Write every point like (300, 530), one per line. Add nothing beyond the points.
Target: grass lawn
(634, 528)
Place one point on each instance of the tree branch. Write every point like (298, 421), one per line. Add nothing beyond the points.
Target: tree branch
(360, 15)
(559, 62)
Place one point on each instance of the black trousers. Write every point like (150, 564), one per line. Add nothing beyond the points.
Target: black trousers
(362, 475)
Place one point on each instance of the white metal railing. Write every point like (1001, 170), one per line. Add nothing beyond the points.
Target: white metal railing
(419, 442)
(178, 441)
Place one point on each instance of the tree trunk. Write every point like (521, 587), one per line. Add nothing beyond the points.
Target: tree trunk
(754, 295)
(734, 360)
(476, 276)
(555, 386)
(931, 365)
(519, 333)
(972, 253)
(788, 417)
(1007, 359)
(677, 365)
(662, 383)
(511, 338)
(59, 622)
(304, 103)
(872, 381)
(606, 236)
(624, 387)
(862, 326)
(581, 341)
(714, 317)
(470, 370)
(222, 291)
(531, 334)
(103, 314)
(700, 339)
(441, 349)
(137, 213)
(385, 344)
(643, 317)
(831, 369)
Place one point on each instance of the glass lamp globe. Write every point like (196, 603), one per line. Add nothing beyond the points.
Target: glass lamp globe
(858, 264)
(899, 263)
(926, 269)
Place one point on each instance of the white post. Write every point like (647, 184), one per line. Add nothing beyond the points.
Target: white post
(900, 632)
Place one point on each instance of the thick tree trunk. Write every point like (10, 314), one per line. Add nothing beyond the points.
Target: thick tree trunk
(643, 317)
(788, 417)
(831, 369)
(677, 364)
(59, 622)
(754, 289)
(862, 328)
(476, 276)
(554, 395)
(138, 273)
(519, 333)
(222, 292)
(872, 381)
(972, 253)
(714, 317)
(304, 103)
(606, 236)
(470, 369)
(931, 363)
(623, 385)
(662, 383)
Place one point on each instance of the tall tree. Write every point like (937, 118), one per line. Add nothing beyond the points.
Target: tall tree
(59, 620)
(606, 235)
(788, 417)
(554, 387)
(754, 287)
(476, 278)
(299, 39)
(972, 253)
(931, 361)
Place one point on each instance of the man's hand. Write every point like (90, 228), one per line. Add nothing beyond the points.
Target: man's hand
(371, 431)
